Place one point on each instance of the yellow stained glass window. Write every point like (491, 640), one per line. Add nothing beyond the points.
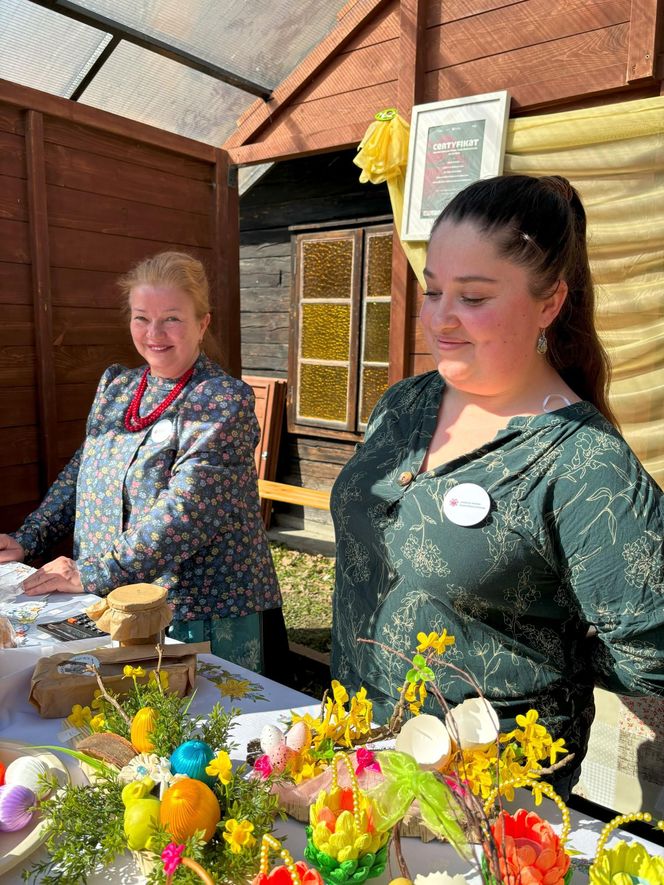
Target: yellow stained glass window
(325, 331)
(374, 385)
(379, 266)
(323, 392)
(377, 332)
(327, 269)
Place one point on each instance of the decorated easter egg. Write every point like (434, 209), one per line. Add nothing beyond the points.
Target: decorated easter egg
(140, 819)
(279, 757)
(142, 726)
(271, 737)
(28, 771)
(401, 881)
(2, 774)
(298, 737)
(187, 806)
(15, 804)
(192, 758)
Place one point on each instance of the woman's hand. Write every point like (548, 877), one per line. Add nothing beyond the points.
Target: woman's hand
(10, 550)
(58, 576)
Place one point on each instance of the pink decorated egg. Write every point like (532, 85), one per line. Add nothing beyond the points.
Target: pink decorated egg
(279, 757)
(298, 737)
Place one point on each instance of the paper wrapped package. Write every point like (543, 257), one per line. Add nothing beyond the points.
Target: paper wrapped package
(62, 680)
(134, 614)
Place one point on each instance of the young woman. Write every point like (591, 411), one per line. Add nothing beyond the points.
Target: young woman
(494, 497)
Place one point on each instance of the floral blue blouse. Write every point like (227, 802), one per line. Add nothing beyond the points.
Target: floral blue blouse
(175, 504)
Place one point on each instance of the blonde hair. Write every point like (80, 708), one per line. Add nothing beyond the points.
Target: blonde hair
(179, 271)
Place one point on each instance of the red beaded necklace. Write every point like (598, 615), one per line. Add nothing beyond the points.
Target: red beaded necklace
(132, 420)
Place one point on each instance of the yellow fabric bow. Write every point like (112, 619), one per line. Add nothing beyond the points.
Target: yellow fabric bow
(383, 156)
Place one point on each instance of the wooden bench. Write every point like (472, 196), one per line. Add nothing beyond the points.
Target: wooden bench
(287, 494)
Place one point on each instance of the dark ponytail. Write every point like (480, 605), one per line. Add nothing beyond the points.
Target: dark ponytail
(540, 224)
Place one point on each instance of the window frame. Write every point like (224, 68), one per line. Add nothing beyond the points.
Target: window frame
(352, 428)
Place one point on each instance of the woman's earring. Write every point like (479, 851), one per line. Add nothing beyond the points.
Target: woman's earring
(542, 344)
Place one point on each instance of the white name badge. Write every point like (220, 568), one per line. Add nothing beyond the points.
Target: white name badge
(466, 504)
(162, 430)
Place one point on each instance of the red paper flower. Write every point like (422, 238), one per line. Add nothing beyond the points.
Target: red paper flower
(365, 761)
(263, 766)
(529, 851)
(281, 876)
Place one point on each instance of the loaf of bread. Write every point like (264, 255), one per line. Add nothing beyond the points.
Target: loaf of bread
(108, 747)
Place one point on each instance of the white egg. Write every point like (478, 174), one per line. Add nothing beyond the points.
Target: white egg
(298, 737)
(271, 737)
(28, 771)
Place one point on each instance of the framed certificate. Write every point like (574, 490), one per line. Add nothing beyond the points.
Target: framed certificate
(452, 144)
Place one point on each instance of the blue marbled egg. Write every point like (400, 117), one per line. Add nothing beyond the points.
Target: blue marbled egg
(191, 758)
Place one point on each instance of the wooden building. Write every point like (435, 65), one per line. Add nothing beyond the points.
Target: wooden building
(397, 53)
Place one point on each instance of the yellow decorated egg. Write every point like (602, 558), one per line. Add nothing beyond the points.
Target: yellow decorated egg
(189, 805)
(142, 726)
(140, 819)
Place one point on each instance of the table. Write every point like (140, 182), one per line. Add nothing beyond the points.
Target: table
(263, 701)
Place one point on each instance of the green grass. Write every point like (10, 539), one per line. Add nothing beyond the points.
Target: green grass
(306, 581)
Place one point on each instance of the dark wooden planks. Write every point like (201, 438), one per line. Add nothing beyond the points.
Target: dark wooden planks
(41, 297)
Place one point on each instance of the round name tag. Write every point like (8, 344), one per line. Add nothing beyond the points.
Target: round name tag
(162, 430)
(466, 504)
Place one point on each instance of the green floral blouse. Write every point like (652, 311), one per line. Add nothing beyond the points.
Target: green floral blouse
(559, 588)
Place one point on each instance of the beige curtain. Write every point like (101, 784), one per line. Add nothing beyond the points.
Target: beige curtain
(614, 156)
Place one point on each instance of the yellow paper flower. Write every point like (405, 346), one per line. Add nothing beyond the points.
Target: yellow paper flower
(163, 678)
(334, 830)
(134, 672)
(234, 688)
(415, 695)
(624, 864)
(98, 723)
(437, 641)
(221, 767)
(238, 835)
(79, 716)
(339, 693)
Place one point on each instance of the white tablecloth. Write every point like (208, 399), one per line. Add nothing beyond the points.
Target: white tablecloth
(265, 701)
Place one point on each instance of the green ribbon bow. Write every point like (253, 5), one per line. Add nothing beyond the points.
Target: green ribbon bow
(405, 781)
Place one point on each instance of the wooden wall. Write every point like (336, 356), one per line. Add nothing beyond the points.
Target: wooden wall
(84, 195)
(544, 52)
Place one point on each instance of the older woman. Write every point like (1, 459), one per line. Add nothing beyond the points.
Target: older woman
(164, 488)
(494, 497)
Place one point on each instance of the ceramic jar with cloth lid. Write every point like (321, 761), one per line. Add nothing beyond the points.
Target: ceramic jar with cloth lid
(135, 614)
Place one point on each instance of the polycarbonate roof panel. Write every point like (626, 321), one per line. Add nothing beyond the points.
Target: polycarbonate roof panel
(45, 50)
(261, 40)
(143, 86)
